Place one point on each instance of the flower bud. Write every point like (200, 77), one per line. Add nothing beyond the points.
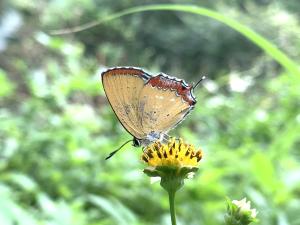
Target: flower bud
(240, 212)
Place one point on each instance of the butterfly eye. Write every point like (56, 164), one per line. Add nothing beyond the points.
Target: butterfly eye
(136, 142)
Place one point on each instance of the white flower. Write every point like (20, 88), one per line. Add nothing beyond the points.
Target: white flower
(245, 206)
(239, 84)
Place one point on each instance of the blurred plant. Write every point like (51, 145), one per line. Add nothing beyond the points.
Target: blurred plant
(250, 34)
(172, 163)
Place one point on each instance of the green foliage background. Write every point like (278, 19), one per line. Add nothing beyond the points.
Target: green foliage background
(56, 126)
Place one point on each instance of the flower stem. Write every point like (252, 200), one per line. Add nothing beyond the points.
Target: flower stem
(172, 206)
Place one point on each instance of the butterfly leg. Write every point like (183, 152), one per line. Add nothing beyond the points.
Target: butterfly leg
(169, 137)
(165, 138)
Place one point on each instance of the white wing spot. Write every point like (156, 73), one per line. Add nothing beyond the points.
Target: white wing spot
(159, 97)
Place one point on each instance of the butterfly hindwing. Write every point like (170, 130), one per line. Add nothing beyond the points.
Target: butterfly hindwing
(163, 103)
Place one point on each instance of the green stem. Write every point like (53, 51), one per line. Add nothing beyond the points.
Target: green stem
(256, 38)
(172, 206)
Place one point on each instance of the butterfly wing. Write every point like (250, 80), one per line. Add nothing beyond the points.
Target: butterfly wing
(122, 87)
(163, 103)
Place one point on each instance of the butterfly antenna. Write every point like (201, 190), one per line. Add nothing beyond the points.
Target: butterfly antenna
(202, 78)
(114, 152)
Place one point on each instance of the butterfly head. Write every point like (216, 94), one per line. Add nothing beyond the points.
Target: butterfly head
(136, 142)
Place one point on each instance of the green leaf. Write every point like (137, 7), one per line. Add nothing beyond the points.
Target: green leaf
(22, 181)
(264, 171)
(115, 209)
(6, 86)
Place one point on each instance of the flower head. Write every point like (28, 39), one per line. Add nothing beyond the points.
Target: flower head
(172, 162)
(245, 206)
(174, 154)
(240, 212)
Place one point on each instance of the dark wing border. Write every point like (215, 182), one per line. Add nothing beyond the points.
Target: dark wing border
(134, 71)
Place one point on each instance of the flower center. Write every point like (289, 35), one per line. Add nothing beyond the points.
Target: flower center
(174, 153)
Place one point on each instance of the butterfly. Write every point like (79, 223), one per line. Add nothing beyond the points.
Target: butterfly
(147, 106)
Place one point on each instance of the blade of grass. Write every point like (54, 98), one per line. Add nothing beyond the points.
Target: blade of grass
(271, 49)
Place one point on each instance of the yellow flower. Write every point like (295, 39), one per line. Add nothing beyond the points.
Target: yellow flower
(175, 153)
(172, 163)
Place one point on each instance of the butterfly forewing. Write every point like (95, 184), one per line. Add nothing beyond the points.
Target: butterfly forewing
(123, 87)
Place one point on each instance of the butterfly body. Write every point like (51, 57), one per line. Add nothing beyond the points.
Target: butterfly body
(147, 106)
(150, 138)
